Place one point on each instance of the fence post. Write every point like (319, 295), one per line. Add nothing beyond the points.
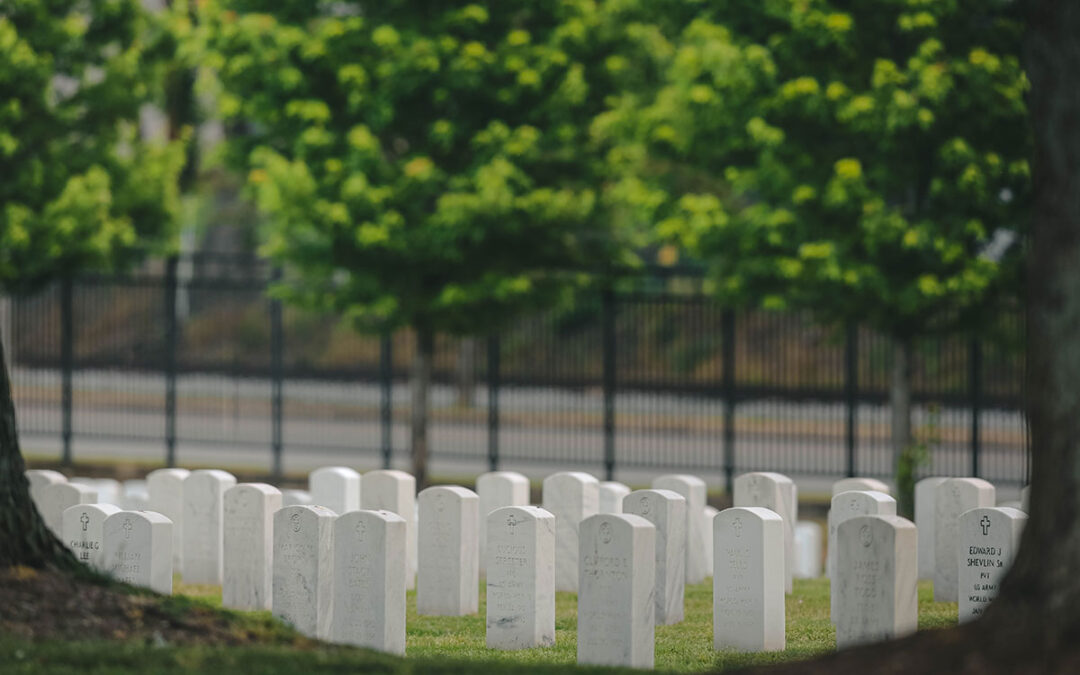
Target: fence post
(386, 391)
(493, 374)
(727, 319)
(851, 389)
(277, 348)
(67, 362)
(607, 313)
(170, 360)
(975, 392)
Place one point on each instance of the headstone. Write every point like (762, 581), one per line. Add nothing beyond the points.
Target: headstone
(571, 496)
(692, 489)
(610, 494)
(777, 492)
(1019, 506)
(876, 579)
(165, 488)
(369, 580)
(497, 489)
(520, 578)
(989, 540)
(616, 611)
(952, 498)
(135, 497)
(666, 510)
(335, 487)
(249, 545)
(39, 478)
(845, 506)
(807, 550)
(304, 568)
(296, 498)
(138, 549)
(860, 485)
(748, 580)
(394, 491)
(203, 528)
(447, 578)
(925, 490)
(57, 497)
(706, 538)
(109, 491)
(84, 527)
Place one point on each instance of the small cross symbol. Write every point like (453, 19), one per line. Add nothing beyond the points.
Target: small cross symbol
(127, 528)
(85, 520)
(512, 522)
(737, 526)
(985, 525)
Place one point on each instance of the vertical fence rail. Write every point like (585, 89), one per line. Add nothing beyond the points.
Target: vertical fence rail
(67, 363)
(386, 398)
(493, 402)
(851, 393)
(607, 313)
(975, 390)
(277, 347)
(171, 329)
(728, 365)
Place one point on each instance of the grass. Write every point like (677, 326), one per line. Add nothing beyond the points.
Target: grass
(449, 644)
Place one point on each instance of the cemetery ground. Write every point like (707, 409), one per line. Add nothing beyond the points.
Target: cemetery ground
(51, 624)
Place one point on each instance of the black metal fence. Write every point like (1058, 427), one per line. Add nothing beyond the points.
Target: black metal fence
(653, 374)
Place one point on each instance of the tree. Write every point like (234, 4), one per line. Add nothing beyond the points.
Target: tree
(78, 188)
(868, 161)
(419, 165)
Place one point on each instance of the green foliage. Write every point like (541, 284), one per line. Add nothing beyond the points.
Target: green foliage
(78, 187)
(418, 164)
(854, 158)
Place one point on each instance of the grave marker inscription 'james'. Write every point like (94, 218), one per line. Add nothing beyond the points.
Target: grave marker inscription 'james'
(989, 540)
(520, 578)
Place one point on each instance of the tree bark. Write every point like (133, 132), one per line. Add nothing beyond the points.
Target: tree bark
(419, 386)
(24, 538)
(1040, 597)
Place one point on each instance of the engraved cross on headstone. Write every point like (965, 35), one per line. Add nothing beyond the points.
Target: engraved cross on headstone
(85, 520)
(737, 526)
(985, 525)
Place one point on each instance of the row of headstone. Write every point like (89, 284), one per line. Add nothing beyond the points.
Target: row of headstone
(132, 546)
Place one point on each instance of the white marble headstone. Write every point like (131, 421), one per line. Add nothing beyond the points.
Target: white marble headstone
(394, 491)
(203, 528)
(925, 514)
(335, 487)
(571, 496)
(296, 498)
(57, 497)
(165, 489)
(39, 478)
(707, 537)
(109, 490)
(611, 495)
(989, 540)
(249, 545)
(860, 485)
(748, 580)
(616, 611)
(807, 550)
(448, 577)
(845, 506)
(304, 568)
(952, 498)
(136, 496)
(520, 578)
(1025, 499)
(497, 489)
(693, 491)
(84, 528)
(777, 492)
(666, 510)
(138, 549)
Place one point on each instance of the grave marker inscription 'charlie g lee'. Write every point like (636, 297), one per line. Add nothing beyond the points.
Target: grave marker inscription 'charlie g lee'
(989, 540)
(249, 545)
(138, 549)
(303, 568)
(448, 576)
(84, 530)
(748, 580)
(520, 578)
(571, 496)
(666, 510)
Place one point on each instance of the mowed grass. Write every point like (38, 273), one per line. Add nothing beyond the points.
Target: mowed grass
(457, 644)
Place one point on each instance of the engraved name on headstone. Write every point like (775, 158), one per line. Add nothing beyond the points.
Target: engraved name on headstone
(520, 578)
(989, 540)
(748, 580)
(952, 498)
(84, 530)
(497, 489)
(138, 549)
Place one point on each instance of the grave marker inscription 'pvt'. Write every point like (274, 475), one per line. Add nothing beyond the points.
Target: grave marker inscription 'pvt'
(497, 489)
(394, 491)
(989, 540)
(39, 478)
(748, 580)
(369, 580)
(203, 528)
(335, 487)
(57, 498)
(807, 550)
(707, 538)
(611, 494)
(666, 510)
(138, 549)
(616, 611)
(304, 568)
(249, 545)
(860, 485)
(953, 497)
(845, 506)
(777, 492)
(571, 496)
(448, 578)
(165, 489)
(84, 531)
(924, 521)
(692, 490)
(876, 579)
(520, 578)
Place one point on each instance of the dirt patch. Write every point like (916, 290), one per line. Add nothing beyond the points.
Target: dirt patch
(47, 605)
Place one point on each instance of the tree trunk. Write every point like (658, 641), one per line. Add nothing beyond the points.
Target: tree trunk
(1040, 598)
(900, 398)
(466, 372)
(24, 538)
(419, 384)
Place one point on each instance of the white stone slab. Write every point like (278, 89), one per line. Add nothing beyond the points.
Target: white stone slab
(497, 489)
(520, 578)
(335, 487)
(165, 488)
(748, 580)
(989, 540)
(808, 550)
(448, 577)
(692, 489)
(203, 528)
(845, 506)
(1025, 499)
(925, 490)
(394, 491)
(707, 538)
(84, 527)
(611, 495)
(571, 496)
(876, 579)
(249, 546)
(109, 491)
(296, 498)
(860, 485)
(952, 498)
(138, 549)
(39, 478)
(777, 492)
(666, 510)
(304, 568)
(57, 497)
(616, 610)
(369, 580)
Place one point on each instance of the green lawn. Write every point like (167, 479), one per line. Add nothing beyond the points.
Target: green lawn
(454, 644)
